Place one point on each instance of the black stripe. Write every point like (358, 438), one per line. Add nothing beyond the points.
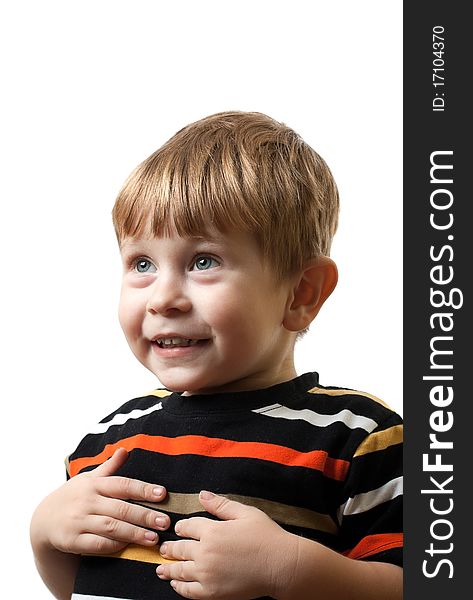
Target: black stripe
(123, 579)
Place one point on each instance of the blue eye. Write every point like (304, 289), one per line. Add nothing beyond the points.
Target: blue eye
(203, 263)
(143, 265)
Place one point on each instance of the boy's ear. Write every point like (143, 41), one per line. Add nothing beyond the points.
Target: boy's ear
(313, 286)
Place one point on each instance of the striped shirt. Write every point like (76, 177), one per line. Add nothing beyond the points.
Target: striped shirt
(323, 462)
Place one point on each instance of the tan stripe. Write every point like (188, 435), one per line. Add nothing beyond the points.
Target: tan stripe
(187, 504)
(159, 393)
(290, 515)
(183, 504)
(380, 440)
(317, 390)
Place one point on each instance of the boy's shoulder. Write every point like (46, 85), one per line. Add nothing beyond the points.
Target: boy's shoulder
(333, 399)
(339, 396)
(109, 429)
(340, 414)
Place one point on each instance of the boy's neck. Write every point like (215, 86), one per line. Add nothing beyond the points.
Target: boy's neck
(258, 381)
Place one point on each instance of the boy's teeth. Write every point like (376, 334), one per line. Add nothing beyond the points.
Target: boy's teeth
(176, 341)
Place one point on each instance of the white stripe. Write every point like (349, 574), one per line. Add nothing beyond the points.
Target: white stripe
(122, 418)
(89, 597)
(345, 416)
(267, 408)
(368, 500)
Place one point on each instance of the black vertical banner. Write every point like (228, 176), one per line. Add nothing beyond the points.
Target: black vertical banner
(438, 268)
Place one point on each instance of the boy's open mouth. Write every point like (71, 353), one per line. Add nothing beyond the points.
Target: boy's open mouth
(176, 342)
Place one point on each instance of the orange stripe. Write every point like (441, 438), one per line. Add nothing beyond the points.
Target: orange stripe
(373, 544)
(216, 447)
(140, 554)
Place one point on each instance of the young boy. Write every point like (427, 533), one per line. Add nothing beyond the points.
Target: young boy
(261, 483)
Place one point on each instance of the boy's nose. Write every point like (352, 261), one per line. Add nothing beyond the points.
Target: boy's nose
(168, 295)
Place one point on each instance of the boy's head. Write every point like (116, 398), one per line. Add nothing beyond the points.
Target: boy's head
(224, 233)
(235, 171)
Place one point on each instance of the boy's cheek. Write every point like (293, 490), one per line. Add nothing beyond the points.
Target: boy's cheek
(123, 315)
(130, 318)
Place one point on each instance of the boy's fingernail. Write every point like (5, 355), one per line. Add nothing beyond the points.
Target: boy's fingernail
(160, 570)
(162, 549)
(206, 495)
(158, 490)
(161, 521)
(151, 536)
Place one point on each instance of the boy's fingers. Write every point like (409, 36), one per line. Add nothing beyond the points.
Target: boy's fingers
(111, 466)
(132, 513)
(181, 550)
(126, 488)
(181, 570)
(188, 589)
(193, 527)
(94, 544)
(222, 507)
(113, 529)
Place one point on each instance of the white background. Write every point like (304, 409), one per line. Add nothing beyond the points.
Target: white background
(90, 88)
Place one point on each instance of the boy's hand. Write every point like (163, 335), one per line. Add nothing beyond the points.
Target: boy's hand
(89, 515)
(237, 558)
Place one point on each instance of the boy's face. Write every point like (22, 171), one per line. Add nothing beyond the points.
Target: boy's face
(205, 314)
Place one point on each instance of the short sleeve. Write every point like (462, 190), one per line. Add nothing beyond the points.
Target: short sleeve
(370, 514)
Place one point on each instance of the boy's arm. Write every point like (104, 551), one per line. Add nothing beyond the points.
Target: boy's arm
(247, 555)
(314, 571)
(58, 571)
(89, 515)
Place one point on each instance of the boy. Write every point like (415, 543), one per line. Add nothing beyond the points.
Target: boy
(270, 484)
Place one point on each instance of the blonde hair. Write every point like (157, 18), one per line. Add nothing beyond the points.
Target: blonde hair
(235, 170)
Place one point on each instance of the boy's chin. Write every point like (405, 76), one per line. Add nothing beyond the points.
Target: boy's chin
(191, 386)
(184, 383)
(188, 381)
